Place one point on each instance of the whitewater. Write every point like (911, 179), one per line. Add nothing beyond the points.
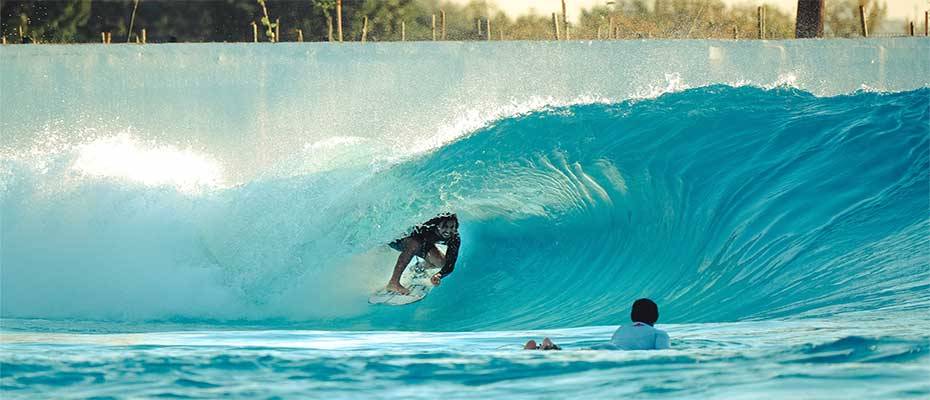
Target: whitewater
(205, 220)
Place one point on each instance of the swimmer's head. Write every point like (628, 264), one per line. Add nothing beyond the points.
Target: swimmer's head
(645, 311)
(447, 226)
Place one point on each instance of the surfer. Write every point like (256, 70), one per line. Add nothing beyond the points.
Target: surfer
(421, 242)
(641, 335)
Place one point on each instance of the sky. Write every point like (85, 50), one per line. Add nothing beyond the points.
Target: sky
(897, 9)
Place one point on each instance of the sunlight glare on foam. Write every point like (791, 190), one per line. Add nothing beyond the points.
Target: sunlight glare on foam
(124, 157)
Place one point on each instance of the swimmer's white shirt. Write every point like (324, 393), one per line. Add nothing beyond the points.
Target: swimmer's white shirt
(640, 336)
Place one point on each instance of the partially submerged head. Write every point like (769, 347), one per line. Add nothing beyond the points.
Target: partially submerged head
(645, 311)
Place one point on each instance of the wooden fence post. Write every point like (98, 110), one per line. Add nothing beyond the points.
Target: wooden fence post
(329, 29)
(339, 18)
(863, 24)
(300, 35)
(760, 16)
(488, 28)
(143, 36)
(926, 23)
(433, 27)
(555, 26)
(254, 32)
(403, 31)
(565, 20)
(442, 24)
(365, 30)
(277, 30)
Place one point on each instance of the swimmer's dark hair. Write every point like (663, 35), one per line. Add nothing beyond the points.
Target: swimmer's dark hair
(645, 311)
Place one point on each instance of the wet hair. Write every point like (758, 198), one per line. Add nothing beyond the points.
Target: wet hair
(444, 217)
(645, 311)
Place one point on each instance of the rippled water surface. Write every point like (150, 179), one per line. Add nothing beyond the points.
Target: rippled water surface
(807, 359)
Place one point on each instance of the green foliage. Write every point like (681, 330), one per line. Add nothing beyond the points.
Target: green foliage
(63, 27)
(325, 6)
(266, 22)
(76, 21)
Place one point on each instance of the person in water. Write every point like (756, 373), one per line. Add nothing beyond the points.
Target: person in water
(421, 242)
(546, 345)
(641, 335)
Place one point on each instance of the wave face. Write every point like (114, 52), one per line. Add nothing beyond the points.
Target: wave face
(721, 203)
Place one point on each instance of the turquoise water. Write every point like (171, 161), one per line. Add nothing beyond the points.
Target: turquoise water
(799, 359)
(208, 220)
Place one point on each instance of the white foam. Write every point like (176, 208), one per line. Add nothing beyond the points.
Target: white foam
(673, 83)
(125, 157)
(332, 143)
(786, 80)
(474, 119)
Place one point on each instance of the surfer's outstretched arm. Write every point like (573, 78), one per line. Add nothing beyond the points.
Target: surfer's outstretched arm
(410, 248)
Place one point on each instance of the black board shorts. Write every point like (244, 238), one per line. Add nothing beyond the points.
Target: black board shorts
(399, 246)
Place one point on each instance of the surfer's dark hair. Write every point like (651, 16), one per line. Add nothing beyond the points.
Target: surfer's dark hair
(435, 221)
(645, 311)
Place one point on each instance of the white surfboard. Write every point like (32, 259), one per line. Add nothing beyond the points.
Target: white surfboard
(415, 278)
